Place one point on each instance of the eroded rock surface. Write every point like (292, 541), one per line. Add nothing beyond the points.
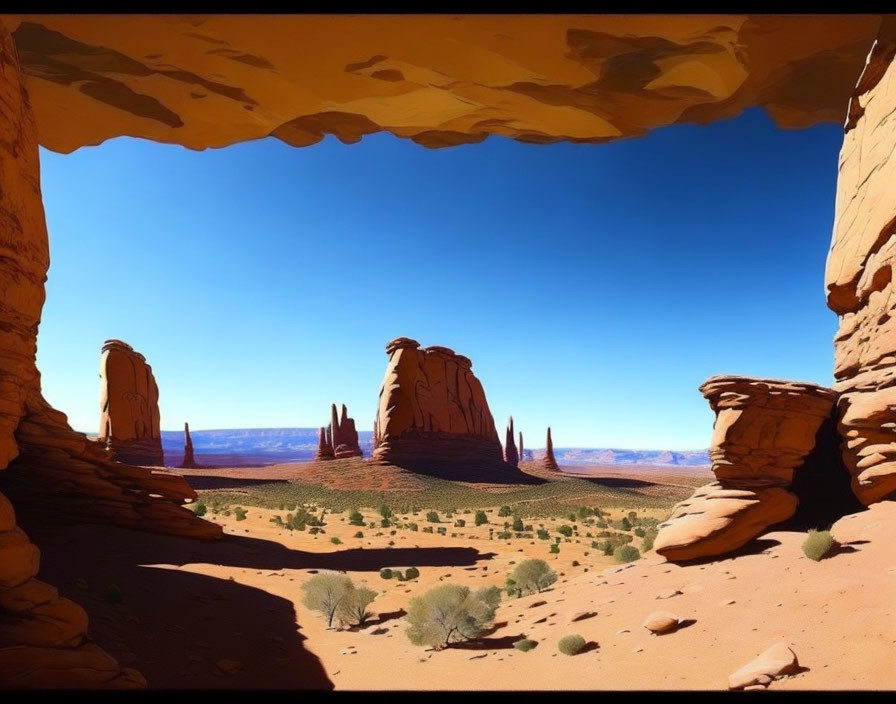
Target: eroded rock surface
(129, 403)
(511, 455)
(549, 461)
(433, 411)
(189, 461)
(763, 432)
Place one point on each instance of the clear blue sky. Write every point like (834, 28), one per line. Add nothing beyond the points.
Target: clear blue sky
(593, 286)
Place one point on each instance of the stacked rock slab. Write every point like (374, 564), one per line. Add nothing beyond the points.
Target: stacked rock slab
(433, 411)
(764, 430)
(860, 284)
(129, 403)
(324, 447)
(549, 461)
(511, 456)
(189, 461)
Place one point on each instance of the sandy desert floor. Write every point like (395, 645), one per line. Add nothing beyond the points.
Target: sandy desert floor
(229, 614)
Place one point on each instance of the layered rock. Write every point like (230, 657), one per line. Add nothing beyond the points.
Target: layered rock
(129, 403)
(511, 456)
(859, 277)
(549, 461)
(209, 81)
(189, 461)
(433, 412)
(764, 431)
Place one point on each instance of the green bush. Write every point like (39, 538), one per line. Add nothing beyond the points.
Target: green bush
(504, 511)
(647, 543)
(818, 544)
(326, 593)
(570, 645)
(240, 513)
(359, 534)
(543, 534)
(480, 518)
(450, 614)
(335, 540)
(533, 575)
(412, 573)
(413, 526)
(355, 518)
(386, 573)
(622, 524)
(433, 517)
(385, 512)
(200, 509)
(504, 535)
(626, 553)
(385, 523)
(354, 606)
(427, 529)
(518, 524)
(525, 644)
(441, 530)
(565, 531)
(608, 549)
(640, 532)
(460, 523)
(555, 548)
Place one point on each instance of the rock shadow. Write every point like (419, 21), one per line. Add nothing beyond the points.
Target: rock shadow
(756, 546)
(218, 482)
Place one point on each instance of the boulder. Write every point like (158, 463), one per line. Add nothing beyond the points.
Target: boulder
(777, 661)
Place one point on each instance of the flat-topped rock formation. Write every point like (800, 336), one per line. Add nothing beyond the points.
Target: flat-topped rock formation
(764, 431)
(549, 461)
(433, 414)
(129, 406)
(189, 462)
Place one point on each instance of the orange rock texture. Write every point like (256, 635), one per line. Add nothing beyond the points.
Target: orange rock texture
(549, 461)
(189, 461)
(129, 406)
(433, 411)
(860, 277)
(764, 430)
(441, 80)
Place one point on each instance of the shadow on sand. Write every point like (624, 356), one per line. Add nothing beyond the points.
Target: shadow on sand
(188, 630)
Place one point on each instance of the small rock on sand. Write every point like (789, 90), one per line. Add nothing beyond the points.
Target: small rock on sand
(661, 622)
(775, 662)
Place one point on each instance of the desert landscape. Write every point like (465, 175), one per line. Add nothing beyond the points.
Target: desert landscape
(427, 545)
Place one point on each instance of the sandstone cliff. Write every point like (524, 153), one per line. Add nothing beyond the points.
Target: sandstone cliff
(129, 406)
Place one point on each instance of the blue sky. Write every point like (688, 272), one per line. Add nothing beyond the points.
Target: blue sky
(593, 286)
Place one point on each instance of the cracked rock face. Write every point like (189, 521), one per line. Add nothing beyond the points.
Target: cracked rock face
(764, 430)
(433, 410)
(129, 402)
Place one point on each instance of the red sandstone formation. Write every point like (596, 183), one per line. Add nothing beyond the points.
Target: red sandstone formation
(324, 447)
(433, 411)
(189, 462)
(520, 447)
(511, 456)
(764, 430)
(549, 462)
(91, 78)
(340, 438)
(129, 402)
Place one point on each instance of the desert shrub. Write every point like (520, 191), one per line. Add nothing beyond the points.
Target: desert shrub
(480, 518)
(427, 529)
(354, 607)
(817, 544)
(450, 614)
(355, 518)
(555, 548)
(385, 523)
(460, 523)
(647, 543)
(504, 511)
(313, 530)
(386, 573)
(200, 509)
(570, 645)
(526, 644)
(518, 524)
(396, 574)
(608, 549)
(335, 540)
(504, 535)
(240, 513)
(640, 532)
(359, 534)
(326, 593)
(385, 512)
(442, 530)
(543, 534)
(626, 553)
(532, 576)
(411, 573)
(433, 517)
(584, 512)
(413, 526)
(565, 531)
(622, 524)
